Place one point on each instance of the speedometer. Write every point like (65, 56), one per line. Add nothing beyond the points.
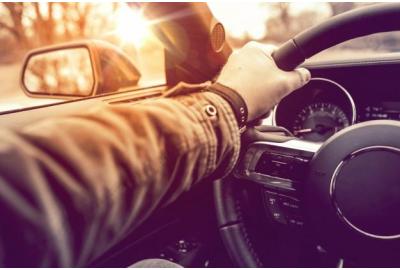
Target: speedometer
(318, 121)
(316, 111)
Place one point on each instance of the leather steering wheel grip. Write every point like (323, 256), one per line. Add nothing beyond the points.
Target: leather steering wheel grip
(232, 229)
(352, 24)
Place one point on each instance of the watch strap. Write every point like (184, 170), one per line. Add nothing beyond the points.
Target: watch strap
(236, 101)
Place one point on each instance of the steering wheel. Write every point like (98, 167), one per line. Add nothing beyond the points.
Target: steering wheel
(344, 193)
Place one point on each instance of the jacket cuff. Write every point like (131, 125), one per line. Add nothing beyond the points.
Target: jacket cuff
(230, 142)
(218, 126)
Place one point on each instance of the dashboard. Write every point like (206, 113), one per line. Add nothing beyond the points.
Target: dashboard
(340, 95)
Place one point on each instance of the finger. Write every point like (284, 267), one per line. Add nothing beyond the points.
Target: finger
(297, 78)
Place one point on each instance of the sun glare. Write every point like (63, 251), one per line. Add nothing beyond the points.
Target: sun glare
(131, 26)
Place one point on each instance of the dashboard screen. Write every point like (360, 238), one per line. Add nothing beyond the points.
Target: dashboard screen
(383, 110)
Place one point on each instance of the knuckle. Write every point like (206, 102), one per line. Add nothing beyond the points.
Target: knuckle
(251, 44)
(283, 80)
(287, 84)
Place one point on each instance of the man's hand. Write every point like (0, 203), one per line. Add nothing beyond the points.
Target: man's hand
(252, 72)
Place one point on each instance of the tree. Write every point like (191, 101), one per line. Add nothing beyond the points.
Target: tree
(15, 27)
(37, 24)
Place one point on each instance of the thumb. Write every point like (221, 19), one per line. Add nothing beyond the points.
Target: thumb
(297, 78)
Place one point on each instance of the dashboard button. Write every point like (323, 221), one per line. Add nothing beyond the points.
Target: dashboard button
(275, 165)
(278, 216)
(272, 200)
(289, 203)
(273, 205)
(283, 208)
(295, 222)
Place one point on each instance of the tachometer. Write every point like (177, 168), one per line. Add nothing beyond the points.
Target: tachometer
(318, 121)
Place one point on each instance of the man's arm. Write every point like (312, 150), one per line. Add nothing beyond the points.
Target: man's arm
(71, 187)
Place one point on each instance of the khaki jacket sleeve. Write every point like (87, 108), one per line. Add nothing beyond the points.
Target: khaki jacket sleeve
(71, 187)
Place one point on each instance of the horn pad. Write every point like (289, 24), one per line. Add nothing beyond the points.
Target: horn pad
(352, 194)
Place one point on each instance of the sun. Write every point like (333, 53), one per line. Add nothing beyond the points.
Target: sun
(131, 26)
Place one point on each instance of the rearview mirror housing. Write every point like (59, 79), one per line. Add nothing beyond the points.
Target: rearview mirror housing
(76, 70)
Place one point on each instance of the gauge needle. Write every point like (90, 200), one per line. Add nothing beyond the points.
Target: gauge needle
(302, 131)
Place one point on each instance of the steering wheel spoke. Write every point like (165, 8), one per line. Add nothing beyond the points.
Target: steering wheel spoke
(277, 165)
(280, 169)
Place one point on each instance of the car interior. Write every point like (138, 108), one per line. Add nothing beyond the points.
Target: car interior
(315, 186)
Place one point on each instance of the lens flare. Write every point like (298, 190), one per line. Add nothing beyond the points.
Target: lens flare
(131, 26)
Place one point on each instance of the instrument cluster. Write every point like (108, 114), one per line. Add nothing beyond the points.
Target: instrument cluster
(316, 111)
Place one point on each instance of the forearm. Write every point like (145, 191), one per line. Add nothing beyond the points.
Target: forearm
(83, 182)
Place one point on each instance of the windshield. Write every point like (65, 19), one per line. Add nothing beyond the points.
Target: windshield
(28, 26)
(140, 61)
(275, 23)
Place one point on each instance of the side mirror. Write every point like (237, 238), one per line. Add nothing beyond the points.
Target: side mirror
(74, 70)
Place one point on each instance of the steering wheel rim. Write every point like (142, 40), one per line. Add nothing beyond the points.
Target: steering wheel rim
(338, 29)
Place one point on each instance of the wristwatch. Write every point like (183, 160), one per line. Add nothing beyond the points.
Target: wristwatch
(236, 101)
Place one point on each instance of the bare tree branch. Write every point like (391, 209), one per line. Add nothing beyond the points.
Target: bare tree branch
(10, 29)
